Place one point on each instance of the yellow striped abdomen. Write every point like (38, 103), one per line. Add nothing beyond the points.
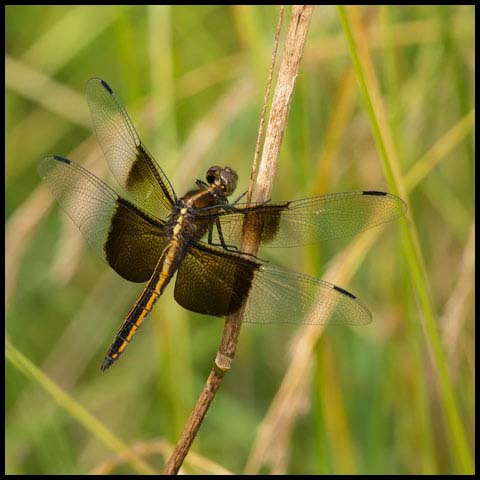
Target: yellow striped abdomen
(166, 267)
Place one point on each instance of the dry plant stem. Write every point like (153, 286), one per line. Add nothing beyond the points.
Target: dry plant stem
(287, 75)
(292, 54)
(265, 103)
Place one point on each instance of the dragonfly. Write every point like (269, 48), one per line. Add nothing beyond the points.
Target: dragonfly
(148, 233)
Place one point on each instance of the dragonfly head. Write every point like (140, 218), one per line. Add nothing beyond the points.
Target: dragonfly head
(224, 178)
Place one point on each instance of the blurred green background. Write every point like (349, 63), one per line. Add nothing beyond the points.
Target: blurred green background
(339, 400)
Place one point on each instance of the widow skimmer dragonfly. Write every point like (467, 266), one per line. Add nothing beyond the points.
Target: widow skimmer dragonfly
(149, 233)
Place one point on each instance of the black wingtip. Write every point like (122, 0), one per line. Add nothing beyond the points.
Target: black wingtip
(62, 159)
(107, 362)
(374, 192)
(107, 86)
(345, 292)
(402, 206)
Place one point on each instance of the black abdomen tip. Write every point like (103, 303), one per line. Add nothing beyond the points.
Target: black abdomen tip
(107, 362)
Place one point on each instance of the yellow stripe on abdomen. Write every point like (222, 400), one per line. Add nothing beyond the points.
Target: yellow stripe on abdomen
(163, 278)
(144, 304)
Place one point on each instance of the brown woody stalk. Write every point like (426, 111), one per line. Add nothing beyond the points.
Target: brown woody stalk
(288, 71)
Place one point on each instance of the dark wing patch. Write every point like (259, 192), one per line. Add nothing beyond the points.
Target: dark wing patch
(212, 281)
(134, 243)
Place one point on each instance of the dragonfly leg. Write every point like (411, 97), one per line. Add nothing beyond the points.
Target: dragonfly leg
(201, 184)
(231, 206)
(228, 248)
(224, 245)
(238, 199)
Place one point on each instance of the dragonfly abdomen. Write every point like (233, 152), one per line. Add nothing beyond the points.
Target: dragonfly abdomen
(166, 267)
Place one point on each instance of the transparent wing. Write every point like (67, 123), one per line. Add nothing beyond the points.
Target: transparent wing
(130, 162)
(124, 236)
(215, 282)
(310, 220)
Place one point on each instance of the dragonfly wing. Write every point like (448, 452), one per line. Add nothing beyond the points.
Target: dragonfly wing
(310, 220)
(130, 162)
(215, 282)
(123, 235)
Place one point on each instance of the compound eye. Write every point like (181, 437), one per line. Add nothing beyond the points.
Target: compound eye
(229, 180)
(212, 174)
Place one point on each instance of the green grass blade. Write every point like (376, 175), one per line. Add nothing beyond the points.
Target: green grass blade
(374, 107)
(76, 410)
